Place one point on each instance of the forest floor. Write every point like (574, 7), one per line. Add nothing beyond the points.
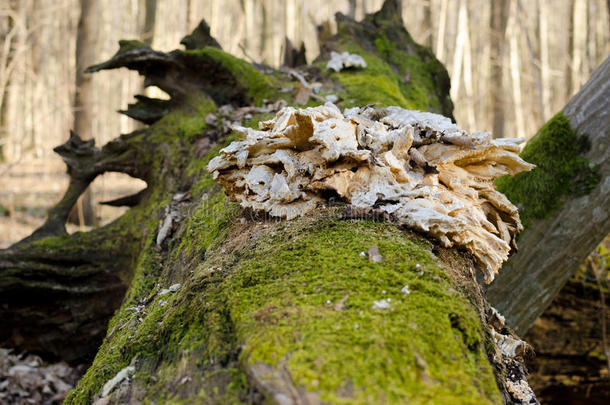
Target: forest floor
(27, 379)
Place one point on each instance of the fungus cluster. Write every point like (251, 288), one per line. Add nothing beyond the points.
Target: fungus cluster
(345, 60)
(417, 167)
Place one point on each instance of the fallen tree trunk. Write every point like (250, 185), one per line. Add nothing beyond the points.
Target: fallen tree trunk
(224, 305)
(563, 203)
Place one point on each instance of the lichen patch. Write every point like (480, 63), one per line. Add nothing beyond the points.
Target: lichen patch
(418, 167)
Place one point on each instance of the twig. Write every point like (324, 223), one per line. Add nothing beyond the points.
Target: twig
(9, 166)
(302, 80)
(243, 49)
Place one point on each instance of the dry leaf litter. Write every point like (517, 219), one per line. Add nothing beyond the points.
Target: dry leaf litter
(26, 379)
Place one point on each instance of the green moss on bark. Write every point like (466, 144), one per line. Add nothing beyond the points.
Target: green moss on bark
(126, 45)
(283, 302)
(398, 72)
(258, 85)
(561, 171)
(274, 298)
(130, 329)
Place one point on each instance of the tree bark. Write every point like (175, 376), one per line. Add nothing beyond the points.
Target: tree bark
(543, 35)
(148, 28)
(568, 223)
(498, 25)
(224, 305)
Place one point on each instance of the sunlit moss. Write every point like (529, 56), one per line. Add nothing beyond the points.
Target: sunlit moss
(561, 171)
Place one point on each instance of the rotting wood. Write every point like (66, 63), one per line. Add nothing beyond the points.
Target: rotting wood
(204, 303)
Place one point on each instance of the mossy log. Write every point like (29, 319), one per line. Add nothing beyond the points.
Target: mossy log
(564, 203)
(222, 305)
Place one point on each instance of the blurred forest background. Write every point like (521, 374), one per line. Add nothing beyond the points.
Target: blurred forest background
(513, 63)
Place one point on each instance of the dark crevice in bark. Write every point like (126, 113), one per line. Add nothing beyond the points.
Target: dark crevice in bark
(57, 303)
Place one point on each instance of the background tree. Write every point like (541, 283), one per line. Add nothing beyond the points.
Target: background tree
(84, 94)
(497, 23)
(150, 15)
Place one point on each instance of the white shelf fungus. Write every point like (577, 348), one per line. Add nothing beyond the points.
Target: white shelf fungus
(340, 61)
(419, 167)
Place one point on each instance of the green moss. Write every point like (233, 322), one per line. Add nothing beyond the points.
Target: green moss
(417, 73)
(129, 336)
(399, 71)
(376, 84)
(52, 245)
(183, 125)
(282, 300)
(266, 298)
(561, 171)
(258, 85)
(126, 45)
(379, 84)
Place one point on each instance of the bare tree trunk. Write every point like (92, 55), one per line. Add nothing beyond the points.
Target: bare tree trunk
(84, 93)
(150, 15)
(535, 68)
(427, 24)
(7, 36)
(568, 72)
(189, 14)
(36, 81)
(458, 55)
(468, 79)
(544, 59)
(515, 72)
(266, 54)
(442, 25)
(85, 56)
(579, 38)
(565, 227)
(17, 72)
(498, 23)
(147, 31)
(352, 8)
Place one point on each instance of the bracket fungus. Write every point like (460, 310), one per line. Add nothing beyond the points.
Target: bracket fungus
(417, 167)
